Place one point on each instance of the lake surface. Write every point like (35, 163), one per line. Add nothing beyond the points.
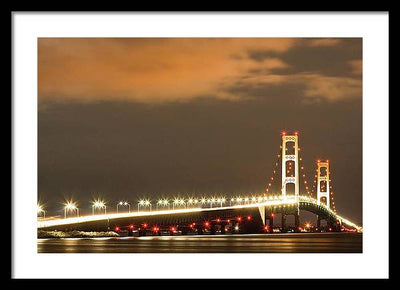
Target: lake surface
(257, 243)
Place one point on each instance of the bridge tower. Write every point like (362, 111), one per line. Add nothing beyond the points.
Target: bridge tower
(323, 188)
(294, 178)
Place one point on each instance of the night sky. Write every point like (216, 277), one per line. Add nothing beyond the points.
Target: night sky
(127, 118)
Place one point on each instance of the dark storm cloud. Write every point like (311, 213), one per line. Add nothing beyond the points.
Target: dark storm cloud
(315, 70)
(327, 60)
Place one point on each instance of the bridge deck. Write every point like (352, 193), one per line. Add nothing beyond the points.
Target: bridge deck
(277, 204)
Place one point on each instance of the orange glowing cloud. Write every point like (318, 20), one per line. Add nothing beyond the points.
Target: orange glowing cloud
(181, 69)
(324, 42)
(147, 70)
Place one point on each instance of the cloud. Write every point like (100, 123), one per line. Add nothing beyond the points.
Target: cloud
(307, 87)
(153, 70)
(332, 88)
(324, 42)
(356, 66)
(146, 69)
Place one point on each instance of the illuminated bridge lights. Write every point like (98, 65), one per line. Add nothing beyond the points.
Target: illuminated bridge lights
(275, 201)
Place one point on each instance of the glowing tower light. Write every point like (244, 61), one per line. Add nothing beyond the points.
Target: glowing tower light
(294, 179)
(323, 179)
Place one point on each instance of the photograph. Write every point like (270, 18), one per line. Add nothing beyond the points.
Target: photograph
(199, 145)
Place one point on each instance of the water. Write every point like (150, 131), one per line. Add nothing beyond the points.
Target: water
(257, 243)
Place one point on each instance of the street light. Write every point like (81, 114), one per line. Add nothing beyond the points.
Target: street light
(70, 206)
(144, 203)
(41, 210)
(148, 203)
(141, 202)
(211, 201)
(166, 203)
(192, 201)
(159, 202)
(162, 202)
(124, 203)
(175, 202)
(99, 204)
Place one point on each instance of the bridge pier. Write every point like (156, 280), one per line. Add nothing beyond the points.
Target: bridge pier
(332, 224)
(283, 222)
(296, 221)
(335, 225)
(270, 220)
(199, 229)
(223, 229)
(213, 229)
(233, 227)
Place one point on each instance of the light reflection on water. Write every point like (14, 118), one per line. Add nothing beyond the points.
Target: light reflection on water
(258, 243)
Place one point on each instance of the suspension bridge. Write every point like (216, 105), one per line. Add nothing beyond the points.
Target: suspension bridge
(245, 214)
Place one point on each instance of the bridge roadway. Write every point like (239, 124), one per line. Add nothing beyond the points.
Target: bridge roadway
(258, 214)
